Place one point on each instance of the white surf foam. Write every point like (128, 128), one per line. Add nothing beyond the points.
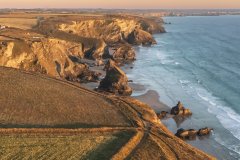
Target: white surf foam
(164, 59)
(184, 82)
(177, 63)
(227, 116)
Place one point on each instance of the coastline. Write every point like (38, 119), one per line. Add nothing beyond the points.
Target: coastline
(153, 99)
(201, 117)
(144, 113)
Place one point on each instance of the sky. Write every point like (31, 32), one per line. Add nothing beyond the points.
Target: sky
(129, 4)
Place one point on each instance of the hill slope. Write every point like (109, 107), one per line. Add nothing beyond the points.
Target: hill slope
(46, 117)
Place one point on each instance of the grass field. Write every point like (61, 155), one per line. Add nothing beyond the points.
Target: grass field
(22, 23)
(80, 146)
(50, 103)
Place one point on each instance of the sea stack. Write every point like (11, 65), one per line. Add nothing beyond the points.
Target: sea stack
(189, 134)
(179, 109)
(115, 80)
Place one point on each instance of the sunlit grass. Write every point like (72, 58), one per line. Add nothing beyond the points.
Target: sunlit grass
(22, 23)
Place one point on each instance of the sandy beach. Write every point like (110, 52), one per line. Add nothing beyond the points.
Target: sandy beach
(152, 99)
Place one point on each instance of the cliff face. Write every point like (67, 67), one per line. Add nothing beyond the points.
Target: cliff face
(52, 56)
(113, 30)
(115, 80)
(97, 33)
(57, 44)
(124, 53)
(19, 55)
(92, 47)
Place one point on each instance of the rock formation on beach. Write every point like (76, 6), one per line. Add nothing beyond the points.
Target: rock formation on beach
(191, 134)
(204, 131)
(179, 109)
(115, 80)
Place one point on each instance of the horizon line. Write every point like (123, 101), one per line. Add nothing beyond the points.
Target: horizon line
(126, 8)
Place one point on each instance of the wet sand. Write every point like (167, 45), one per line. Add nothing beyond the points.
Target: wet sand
(152, 99)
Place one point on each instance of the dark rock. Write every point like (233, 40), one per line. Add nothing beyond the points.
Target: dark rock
(89, 76)
(162, 115)
(115, 80)
(179, 109)
(191, 134)
(187, 134)
(82, 74)
(204, 131)
(138, 37)
(97, 51)
(124, 53)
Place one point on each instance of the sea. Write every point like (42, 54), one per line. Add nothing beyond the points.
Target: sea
(197, 62)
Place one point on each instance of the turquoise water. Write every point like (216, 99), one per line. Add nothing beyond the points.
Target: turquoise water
(198, 62)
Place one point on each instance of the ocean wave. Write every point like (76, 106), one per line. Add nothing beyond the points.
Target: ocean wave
(166, 59)
(184, 82)
(177, 63)
(229, 119)
(161, 42)
(186, 85)
(235, 148)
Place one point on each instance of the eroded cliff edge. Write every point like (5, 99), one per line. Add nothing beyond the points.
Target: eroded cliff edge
(58, 45)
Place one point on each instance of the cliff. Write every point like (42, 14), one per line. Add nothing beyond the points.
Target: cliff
(113, 30)
(57, 45)
(55, 57)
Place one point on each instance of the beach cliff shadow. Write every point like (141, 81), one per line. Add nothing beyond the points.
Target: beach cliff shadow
(179, 119)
